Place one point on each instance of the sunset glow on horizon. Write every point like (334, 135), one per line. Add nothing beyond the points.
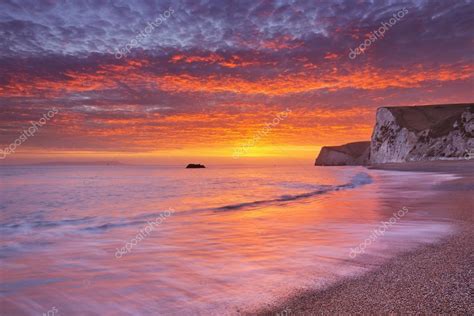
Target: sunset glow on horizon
(205, 82)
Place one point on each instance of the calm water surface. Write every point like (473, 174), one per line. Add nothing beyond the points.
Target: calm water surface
(237, 237)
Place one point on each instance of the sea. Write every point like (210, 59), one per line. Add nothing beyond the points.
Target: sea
(224, 240)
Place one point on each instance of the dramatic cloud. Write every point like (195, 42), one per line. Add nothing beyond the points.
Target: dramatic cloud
(211, 73)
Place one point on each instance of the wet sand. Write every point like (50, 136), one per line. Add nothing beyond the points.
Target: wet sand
(432, 279)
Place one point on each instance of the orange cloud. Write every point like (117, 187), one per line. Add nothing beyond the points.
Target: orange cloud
(331, 56)
(232, 62)
(369, 78)
(210, 58)
(281, 42)
(133, 73)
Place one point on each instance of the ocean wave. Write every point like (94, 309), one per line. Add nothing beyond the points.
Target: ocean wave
(102, 224)
(88, 223)
(358, 180)
(31, 224)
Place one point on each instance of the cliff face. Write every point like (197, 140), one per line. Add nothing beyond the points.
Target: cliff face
(351, 154)
(422, 133)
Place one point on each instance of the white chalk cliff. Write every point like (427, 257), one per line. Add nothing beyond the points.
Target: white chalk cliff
(410, 133)
(418, 133)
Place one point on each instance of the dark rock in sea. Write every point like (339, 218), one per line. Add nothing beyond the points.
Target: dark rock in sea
(420, 133)
(352, 154)
(195, 166)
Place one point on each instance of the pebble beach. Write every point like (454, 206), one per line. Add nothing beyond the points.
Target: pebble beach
(433, 279)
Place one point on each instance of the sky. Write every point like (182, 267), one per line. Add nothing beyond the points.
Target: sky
(175, 81)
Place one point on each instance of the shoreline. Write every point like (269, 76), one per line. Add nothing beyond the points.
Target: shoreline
(459, 167)
(430, 279)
